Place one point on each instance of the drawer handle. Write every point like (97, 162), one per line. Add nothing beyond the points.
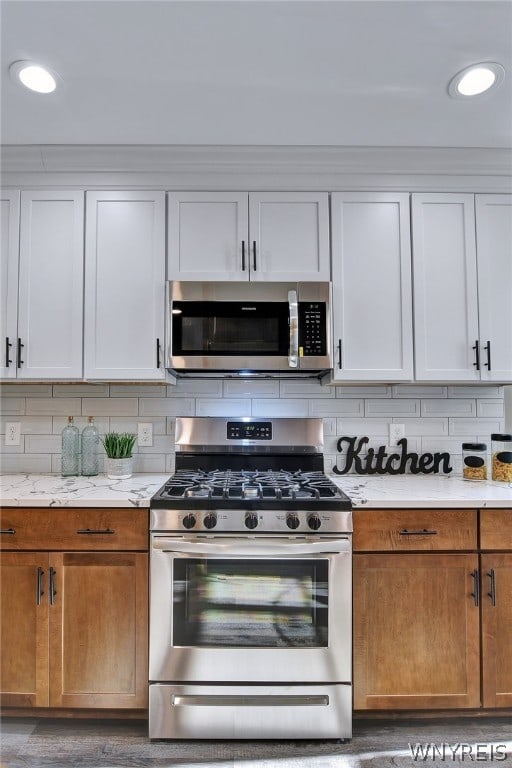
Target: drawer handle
(8, 531)
(95, 532)
(424, 532)
(53, 591)
(476, 587)
(492, 594)
(40, 593)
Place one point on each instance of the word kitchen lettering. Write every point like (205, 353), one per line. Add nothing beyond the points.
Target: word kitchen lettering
(379, 462)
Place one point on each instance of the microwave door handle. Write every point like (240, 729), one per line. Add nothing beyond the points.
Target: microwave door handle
(262, 546)
(293, 354)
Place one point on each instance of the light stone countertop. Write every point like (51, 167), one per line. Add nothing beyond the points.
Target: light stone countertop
(376, 491)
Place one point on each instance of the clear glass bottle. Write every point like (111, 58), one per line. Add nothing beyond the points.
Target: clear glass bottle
(90, 443)
(70, 455)
(501, 449)
(474, 461)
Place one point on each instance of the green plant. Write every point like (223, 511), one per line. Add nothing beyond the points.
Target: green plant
(119, 445)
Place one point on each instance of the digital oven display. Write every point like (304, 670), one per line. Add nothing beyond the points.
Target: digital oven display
(255, 430)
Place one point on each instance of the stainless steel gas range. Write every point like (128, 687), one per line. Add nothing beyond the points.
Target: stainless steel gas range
(251, 584)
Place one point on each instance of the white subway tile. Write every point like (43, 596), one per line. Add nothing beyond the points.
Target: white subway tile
(110, 406)
(25, 462)
(476, 390)
(469, 426)
(451, 407)
(287, 407)
(490, 408)
(451, 444)
(149, 462)
(251, 388)
(161, 444)
(43, 443)
(330, 426)
(130, 424)
(223, 407)
(166, 406)
(138, 390)
(349, 407)
(196, 388)
(303, 388)
(363, 391)
(420, 427)
(37, 425)
(54, 406)
(419, 390)
(361, 427)
(403, 407)
(101, 423)
(13, 448)
(80, 390)
(26, 390)
(12, 406)
(171, 426)
(170, 463)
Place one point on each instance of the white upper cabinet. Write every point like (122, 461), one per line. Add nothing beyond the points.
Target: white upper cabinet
(48, 301)
(494, 259)
(9, 244)
(256, 236)
(371, 281)
(125, 286)
(462, 268)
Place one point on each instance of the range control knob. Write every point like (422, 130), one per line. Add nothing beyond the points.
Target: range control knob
(251, 520)
(189, 520)
(314, 522)
(292, 521)
(210, 520)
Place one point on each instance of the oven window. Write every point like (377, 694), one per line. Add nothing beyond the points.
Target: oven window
(250, 603)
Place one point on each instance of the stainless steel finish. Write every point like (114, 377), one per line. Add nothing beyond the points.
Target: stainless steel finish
(232, 521)
(293, 354)
(261, 712)
(240, 365)
(261, 546)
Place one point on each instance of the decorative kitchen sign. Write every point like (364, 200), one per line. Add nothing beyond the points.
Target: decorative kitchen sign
(379, 462)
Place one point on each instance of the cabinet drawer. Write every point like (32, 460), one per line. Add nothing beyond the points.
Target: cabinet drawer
(414, 530)
(496, 529)
(74, 528)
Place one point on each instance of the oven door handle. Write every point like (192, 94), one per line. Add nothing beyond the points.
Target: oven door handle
(293, 353)
(230, 547)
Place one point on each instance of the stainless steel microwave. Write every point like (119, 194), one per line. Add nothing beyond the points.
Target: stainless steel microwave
(247, 328)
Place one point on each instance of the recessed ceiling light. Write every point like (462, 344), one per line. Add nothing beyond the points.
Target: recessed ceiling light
(476, 79)
(33, 76)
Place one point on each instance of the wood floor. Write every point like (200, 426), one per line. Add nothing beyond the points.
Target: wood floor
(32, 743)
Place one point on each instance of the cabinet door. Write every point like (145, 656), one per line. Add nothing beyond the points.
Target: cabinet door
(497, 629)
(24, 629)
(445, 287)
(9, 251)
(125, 286)
(494, 256)
(208, 236)
(289, 236)
(416, 631)
(371, 277)
(98, 630)
(50, 305)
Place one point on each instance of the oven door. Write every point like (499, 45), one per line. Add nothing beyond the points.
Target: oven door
(262, 609)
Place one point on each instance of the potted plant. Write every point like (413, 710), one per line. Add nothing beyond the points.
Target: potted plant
(118, 447)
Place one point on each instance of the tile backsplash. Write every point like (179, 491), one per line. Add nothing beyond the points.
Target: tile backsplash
(435, 418)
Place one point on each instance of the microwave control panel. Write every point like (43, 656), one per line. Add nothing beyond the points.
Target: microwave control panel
(312, 328)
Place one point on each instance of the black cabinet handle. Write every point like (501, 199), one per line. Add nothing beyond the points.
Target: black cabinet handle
(339, 354)
(476, 587)
(8, 345)
(158, 353)
(424, 532)
(254, 255)
(95, 532)
(487, 348)
(9, 531)
(477, 355)
(243, 255)
(53, 591)
(40, 593)
(20, 347)
(492, 593)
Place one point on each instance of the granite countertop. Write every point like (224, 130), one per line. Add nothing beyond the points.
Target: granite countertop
(376, 491)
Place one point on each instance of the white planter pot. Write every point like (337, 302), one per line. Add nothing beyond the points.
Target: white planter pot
(119, 469)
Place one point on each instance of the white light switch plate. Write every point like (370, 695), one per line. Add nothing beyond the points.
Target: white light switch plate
(13, 433)
(396, 432)
(145, 434)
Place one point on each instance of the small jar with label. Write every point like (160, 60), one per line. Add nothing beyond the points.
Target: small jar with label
(474, 461)
(501, 448)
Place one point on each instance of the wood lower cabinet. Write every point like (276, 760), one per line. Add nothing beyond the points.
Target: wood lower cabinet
(416, 643)
(74, 623)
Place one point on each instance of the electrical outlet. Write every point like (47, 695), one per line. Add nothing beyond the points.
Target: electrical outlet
(145, 434)
(13, 433)
(396, 432)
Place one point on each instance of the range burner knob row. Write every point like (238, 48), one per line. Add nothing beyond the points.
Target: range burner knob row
(210, 520)
(292, 521)
(251, 520)
(189, 521)
(314, 522)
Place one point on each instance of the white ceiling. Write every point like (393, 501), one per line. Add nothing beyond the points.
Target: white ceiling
(359, 73)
